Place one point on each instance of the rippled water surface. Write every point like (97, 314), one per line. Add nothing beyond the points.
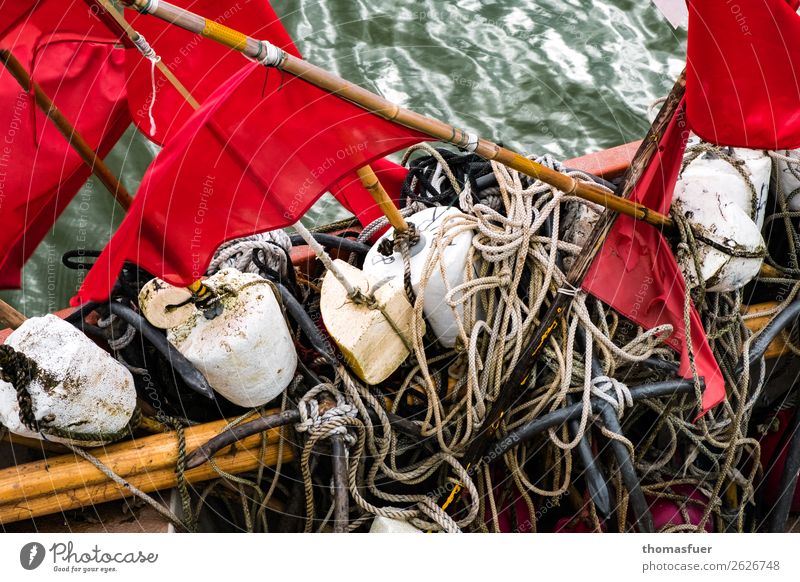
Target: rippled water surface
(564, 77)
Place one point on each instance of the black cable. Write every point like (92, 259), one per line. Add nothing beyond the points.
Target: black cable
(334, 242)
(184, 368)
(69, 263)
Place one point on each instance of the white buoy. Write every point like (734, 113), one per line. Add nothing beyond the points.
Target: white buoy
(389, 525)
(722, 207)
(246, 352)
(440, 315)
(708, 176)
(165, 306)
(78, 387)
(725, 224)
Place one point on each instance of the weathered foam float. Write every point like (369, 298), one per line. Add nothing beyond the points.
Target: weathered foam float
(78, 393)
(244, 348)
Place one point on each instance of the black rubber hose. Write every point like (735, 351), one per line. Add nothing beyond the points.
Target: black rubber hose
(659, 364)
(788, 483)
(318, 341)
(528, 431)
(771, 331)
(333, 242)
(595, 483)
(643, 519)
(184, 368)
(237, 433)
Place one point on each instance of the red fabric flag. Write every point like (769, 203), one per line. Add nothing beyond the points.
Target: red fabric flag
(202, 65)
(353, 196)
(743, 73)
(651, 289)
(12, 12)
(72, 56)
(242, 164)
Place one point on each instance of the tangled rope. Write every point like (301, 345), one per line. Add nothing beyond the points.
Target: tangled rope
(252, 253)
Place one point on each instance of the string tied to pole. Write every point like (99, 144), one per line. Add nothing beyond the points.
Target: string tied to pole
(150, 54)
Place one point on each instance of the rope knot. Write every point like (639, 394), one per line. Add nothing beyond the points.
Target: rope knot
(616, 393)
(324, 409)
(408, 239)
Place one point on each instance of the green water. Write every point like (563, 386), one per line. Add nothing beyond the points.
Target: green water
(564, 77)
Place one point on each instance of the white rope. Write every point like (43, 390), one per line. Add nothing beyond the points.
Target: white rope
(613, 391)
(269, 55)
(787, 157)
(312, 422)
(148, 53)
(326, 260)
(150, 8)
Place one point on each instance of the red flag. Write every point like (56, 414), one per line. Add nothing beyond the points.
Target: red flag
(72, 56)
(202, 65)
(651, 289)
(743, 73)
(242, 164)
(353, 196)
(13, 12)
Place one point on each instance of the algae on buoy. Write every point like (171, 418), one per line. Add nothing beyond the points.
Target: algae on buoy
(79, 393)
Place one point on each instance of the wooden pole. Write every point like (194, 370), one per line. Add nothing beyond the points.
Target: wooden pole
(10, 317)
(370, 181)
(270, 55)
(69, 482)
(341, 513)
(79, 144)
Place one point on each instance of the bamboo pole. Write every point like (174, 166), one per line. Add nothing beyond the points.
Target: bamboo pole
(370, 181)
(128, 458)
(68, 482)
(240, 461)
(270, 55)
(87, 154)
(10, 317)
